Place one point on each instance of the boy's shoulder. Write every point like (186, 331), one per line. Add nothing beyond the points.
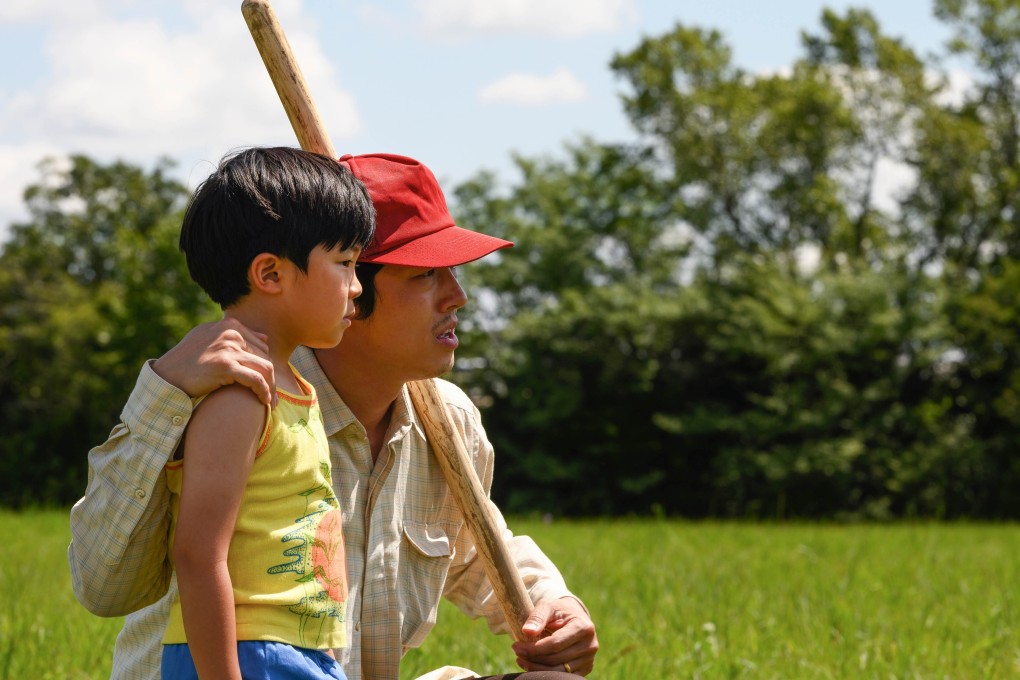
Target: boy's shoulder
(235, 398)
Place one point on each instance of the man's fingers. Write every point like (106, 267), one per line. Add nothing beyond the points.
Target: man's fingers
(552, 658)
(241, 356)
(577, 666)
(259, 344)
(238, 338)
(539, 618)
(570, 640)
(257, 382)
(252, 341)
(219, 353)
(554, 620)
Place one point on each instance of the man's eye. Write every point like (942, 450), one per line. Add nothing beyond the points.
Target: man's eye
(430, 272)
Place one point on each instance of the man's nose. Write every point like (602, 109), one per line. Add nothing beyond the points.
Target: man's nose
(454, 296)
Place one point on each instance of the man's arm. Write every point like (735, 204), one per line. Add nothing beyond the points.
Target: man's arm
(560, 630)
(118, 552)
(558, 613)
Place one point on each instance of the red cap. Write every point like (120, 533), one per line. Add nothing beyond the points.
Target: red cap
(413, 226)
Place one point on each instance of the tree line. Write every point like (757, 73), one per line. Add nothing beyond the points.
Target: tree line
(792, 296)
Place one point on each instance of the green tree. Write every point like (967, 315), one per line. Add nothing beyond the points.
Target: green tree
(739, 316)
(594, 239)
(970, 185)
(90, 286)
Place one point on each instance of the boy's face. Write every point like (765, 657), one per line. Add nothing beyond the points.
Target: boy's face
(323, 299)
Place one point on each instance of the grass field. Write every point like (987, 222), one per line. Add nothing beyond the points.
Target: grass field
(671, 600)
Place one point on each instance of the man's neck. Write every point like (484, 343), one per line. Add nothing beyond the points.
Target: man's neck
(369, 396)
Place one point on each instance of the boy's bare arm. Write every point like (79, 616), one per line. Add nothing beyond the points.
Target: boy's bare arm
(219, 450)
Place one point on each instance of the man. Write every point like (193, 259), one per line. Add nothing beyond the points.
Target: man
(405, 536)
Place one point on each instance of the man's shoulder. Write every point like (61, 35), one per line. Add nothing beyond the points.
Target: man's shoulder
(454, 396)
(466, 417)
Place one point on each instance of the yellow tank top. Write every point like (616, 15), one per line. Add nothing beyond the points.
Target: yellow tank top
(286, 558)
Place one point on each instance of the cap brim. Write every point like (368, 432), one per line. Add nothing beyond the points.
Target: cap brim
(445, 248)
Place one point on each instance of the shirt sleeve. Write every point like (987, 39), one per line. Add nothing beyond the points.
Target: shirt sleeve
(118, 552)
(467, 585)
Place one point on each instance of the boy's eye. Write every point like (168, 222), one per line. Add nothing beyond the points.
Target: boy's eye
(428, 273)
(349, 257)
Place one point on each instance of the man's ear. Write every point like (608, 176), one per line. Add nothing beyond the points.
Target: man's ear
(265, 273)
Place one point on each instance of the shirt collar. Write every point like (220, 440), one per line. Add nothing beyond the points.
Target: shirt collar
(404, 414)
(336, 415)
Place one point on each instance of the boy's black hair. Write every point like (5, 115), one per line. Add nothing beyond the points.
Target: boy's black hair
(277, 200)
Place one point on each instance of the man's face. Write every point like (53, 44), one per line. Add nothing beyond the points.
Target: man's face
(410, 334)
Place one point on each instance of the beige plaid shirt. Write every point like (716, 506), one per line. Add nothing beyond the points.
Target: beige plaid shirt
(406, 546)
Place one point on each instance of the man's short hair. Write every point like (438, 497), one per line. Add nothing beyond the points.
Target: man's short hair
(278, 200)
(365, 303)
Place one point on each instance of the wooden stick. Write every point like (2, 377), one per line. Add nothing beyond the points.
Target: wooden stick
(287, 77)
(479, 515)
(447, 446)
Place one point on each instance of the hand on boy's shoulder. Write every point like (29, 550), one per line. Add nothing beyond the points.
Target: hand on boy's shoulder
(219, 353)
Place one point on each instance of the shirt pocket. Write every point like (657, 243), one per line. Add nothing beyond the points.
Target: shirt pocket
(427, 553)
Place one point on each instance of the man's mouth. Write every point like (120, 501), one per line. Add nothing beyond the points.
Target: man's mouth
(448, 332)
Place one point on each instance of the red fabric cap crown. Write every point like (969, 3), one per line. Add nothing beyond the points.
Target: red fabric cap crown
(413, 226)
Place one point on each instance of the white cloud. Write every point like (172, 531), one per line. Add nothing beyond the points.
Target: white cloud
(893, 179)
(808, 256)
(562, 18)
(136, 88)
(50, 11)
(18, 169)
(524, 89)
(959, 86)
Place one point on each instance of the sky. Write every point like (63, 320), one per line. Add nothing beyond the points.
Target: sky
(461, 85)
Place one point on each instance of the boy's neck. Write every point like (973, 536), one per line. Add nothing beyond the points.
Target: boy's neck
(280, 351)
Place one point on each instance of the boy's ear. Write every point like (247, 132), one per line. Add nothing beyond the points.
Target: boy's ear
(265, 273)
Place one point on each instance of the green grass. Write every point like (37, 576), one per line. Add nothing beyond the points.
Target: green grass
(671, 600)
(44, 632)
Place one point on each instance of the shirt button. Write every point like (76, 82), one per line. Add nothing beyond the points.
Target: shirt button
(177, 420)
(357, 626)
(139, 493)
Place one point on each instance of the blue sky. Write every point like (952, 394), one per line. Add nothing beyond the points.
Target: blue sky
(459, 84)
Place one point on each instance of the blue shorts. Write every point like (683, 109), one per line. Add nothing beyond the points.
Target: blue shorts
(260, 660)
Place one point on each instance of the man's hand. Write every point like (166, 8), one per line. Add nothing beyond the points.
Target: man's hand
(216, 354)
(561, 637)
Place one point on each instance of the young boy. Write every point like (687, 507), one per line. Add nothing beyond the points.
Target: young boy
(272, 236)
